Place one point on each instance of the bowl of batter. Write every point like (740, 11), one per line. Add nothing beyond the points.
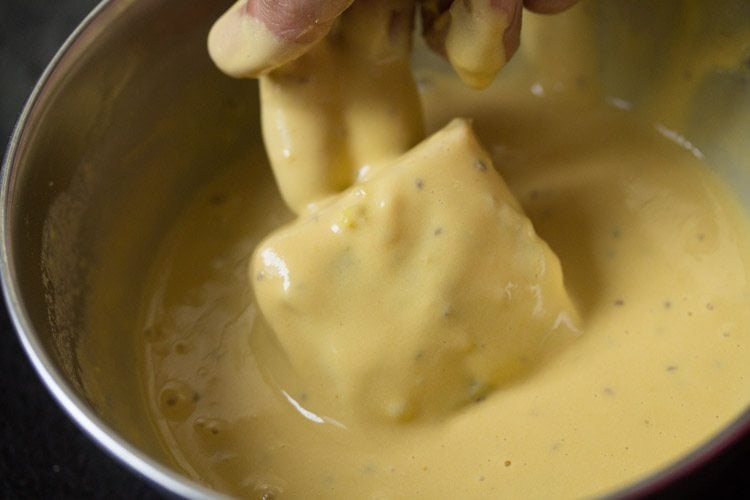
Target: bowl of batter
(543, 279)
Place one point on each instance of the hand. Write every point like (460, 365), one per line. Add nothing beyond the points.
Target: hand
(256, 36)
(338, 97)
(345, 105)
(477, 36)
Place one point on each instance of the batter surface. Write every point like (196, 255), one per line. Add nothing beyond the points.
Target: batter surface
(629, 278)
(654, 250)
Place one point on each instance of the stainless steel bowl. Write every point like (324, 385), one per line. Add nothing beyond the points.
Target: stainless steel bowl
(125, 120)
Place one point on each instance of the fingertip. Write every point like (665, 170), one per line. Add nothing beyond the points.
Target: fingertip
(226, 43)
(480, 36)
(254, 37)
(548, 6)
(242, 46)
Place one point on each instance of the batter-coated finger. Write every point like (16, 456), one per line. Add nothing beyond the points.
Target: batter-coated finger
(481, 37)
(256, 36)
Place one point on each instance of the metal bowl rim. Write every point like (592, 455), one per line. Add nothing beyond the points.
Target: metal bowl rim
(111, 442)
(56, 383)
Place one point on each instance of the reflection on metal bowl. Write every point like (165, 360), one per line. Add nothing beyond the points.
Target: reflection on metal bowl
(124, 120)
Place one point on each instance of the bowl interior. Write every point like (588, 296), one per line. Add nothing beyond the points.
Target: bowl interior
(132, 117)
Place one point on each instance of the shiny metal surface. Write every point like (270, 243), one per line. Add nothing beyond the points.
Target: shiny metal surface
(95, 100)
(124, 121)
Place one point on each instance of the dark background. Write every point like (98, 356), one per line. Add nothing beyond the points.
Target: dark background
(42, 453)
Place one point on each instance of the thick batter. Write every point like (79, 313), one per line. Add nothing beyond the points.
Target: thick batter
(654, 250)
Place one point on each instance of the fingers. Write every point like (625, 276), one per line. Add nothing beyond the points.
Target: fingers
(380, 31)
(256, 36)
(548, 6)
(477, 36)
(301, 21)
(346, 105)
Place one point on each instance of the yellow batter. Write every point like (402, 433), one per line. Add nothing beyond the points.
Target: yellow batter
(418, 290)
(653, 360)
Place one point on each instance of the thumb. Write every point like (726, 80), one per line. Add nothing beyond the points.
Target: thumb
(256, 36)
